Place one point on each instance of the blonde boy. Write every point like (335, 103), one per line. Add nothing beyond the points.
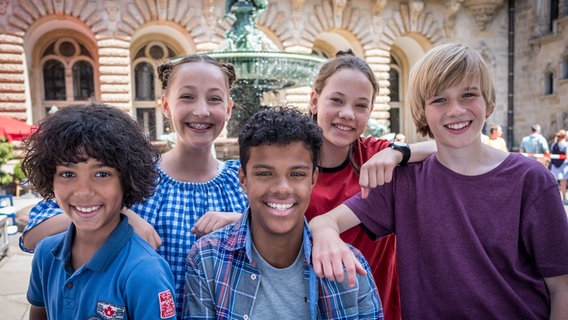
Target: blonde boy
(481, 234)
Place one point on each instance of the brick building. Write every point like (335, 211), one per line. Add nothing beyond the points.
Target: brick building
(56, 52)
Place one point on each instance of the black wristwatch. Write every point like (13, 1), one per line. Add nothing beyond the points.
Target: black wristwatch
(402, 147)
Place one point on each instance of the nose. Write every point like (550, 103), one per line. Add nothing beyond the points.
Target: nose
(82, 186)
(281, 186)
(347, 113)
(455, 107)
(201, 108)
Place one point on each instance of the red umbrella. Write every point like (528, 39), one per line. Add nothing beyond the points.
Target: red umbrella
(14, 129)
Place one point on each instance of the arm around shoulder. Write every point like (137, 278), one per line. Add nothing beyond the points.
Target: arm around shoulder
(422, 150)
(45, 219)
(558, 290)
(37, 313)
(330, 255)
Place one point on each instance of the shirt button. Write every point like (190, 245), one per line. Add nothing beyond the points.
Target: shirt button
(253, 276)
(69, 285)
(245, 317)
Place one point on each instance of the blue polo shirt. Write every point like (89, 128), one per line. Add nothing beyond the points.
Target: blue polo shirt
(125, 279)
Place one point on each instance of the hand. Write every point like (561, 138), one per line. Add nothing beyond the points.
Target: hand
(145, 230)
(212, 221)
(378, 170)
(333, 259)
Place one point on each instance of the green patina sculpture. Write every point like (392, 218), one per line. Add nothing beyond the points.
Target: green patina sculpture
(243, 35)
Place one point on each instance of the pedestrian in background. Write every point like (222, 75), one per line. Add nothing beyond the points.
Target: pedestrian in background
(559, 167)
(534, 144)
(495, 138)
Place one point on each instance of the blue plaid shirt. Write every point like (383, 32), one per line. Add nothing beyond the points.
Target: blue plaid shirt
(222, 281)
(173, 210)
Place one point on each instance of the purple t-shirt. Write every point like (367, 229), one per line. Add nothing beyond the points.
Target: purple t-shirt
(472, 247)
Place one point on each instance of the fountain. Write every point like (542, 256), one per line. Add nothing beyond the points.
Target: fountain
(260, 67)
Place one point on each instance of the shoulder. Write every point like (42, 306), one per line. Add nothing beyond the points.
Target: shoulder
(48, 243)
(369, 146)
(373, 144)
(526, 169)
(216, 242)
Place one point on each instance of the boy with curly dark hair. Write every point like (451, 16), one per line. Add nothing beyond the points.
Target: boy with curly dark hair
(95, 160)
(259, 267)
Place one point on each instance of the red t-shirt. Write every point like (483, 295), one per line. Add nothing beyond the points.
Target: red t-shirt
(335, 185)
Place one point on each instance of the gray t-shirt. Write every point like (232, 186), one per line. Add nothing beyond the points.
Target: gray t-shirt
(282, 293)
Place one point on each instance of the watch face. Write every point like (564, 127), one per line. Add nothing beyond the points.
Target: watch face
(402, 144)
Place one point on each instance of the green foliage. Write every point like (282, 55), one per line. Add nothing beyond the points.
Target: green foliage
(6, 153)
(18, 172)
(375, 129)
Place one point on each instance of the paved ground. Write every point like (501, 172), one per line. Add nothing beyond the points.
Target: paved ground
(15, 271)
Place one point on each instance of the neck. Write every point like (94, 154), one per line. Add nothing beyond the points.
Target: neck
(332, 156)
(190, 164)
(279, 252)
(472, 160)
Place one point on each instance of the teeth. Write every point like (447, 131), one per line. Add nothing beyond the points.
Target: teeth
(457, 126)
(198, 126)
(280, 206)
(344, 128)
(87, 210)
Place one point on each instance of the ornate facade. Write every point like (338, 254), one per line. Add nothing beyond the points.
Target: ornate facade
(57, 52)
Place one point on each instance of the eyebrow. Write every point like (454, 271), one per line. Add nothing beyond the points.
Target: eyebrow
(195, 88)
(358, 98)
(265, 166)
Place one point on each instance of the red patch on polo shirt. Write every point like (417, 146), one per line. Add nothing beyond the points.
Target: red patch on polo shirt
(167, 306)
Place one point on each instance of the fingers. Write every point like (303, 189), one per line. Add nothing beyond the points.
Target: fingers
(155, 241)
(364, 193)
(337, 264)
(204, 225)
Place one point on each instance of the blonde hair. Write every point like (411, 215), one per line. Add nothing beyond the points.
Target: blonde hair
(446, 66)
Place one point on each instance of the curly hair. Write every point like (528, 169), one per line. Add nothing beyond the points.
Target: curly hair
(280, 125)
(168, 69)
(79, 132)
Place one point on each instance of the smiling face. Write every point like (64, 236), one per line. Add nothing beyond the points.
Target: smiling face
(343, 106)
(90, 193)
(456, 115)
(197, 103)
(278, 184)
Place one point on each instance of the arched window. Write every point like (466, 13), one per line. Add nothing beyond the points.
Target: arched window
(144, 81)
(395, 94)
(564, 67)
(553, 14)
(68, 73)
(548, 83)
(83, 81)
(54, 80)
(394, 85)
(146, 89)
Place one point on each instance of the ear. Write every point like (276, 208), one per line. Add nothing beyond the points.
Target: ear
(314, 102)
(315, 176)
(166, 108)
(243, 180)
(229, 110)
